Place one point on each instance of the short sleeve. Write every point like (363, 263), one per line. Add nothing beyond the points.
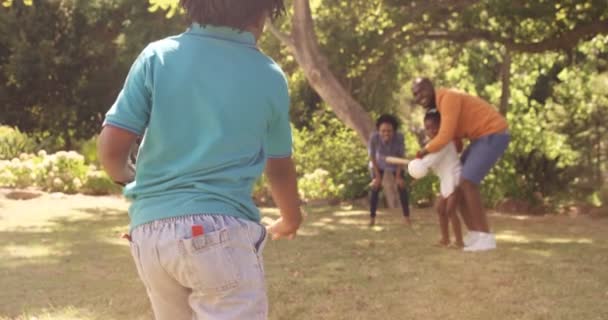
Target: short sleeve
(131, 110)
(279, 142)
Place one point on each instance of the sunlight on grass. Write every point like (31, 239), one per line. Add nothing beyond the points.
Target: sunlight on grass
(351, 222)
(378, 228)
(514, 238)
(350, 213)
(540, 253)
(66, 313)
(568, 240)
(28, 251)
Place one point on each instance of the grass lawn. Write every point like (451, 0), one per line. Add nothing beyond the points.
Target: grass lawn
(61, 258)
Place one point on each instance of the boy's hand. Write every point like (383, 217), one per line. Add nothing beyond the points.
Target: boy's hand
(280, 229)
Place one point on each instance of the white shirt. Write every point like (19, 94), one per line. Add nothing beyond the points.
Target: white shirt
(446, 165)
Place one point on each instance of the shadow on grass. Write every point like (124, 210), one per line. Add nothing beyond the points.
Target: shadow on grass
(78, 263)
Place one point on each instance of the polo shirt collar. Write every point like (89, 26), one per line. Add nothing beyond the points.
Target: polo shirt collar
(223, 33)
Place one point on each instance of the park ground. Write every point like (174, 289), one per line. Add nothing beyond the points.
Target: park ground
(61, 258)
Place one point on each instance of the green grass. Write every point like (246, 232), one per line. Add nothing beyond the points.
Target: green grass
(61, 258)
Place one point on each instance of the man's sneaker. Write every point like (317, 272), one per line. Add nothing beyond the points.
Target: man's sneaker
(485, 241)
(470, 238)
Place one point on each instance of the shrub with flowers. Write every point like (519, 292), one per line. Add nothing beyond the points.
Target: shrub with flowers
(64, 171)
(19, 172)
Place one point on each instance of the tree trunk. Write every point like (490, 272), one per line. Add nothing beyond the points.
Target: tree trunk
(304, 46)
(505, 75)
(306, 51)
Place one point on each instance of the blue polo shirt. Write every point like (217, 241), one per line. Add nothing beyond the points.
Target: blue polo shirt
(212, 109)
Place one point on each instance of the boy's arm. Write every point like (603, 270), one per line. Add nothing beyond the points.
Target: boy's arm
(114, 148)
(125, 122)
(281, 174)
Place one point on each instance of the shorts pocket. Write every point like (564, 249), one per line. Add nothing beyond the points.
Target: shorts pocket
(209, 264)
(261, 243)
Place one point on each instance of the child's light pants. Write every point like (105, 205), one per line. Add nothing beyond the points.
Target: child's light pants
(216, 275)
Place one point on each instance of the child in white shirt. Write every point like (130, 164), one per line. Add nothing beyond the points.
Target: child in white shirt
(446, 165)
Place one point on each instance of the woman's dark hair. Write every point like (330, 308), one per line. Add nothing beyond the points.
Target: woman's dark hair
(433, 115)
(237, 14)
(387, 118)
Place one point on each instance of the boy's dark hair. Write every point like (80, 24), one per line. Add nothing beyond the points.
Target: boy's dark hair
(237, 14)
(433, 115)
(387, 118)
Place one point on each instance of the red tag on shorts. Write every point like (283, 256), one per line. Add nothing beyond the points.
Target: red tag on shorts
(197, 230)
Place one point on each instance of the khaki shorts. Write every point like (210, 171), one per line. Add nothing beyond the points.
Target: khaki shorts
(216, 275)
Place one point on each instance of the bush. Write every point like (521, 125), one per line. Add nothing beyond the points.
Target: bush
(97, 182)
(88, 148)
(59, 172)
(319, 185)
(329, 146)
(19, 172)
(261, 191)
(13, 143)
(63, 172)
(424, 191)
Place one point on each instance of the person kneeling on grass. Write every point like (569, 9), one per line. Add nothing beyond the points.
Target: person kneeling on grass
(446, 165)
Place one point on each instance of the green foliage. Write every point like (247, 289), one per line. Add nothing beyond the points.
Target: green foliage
(88, 149)
(318, 185)
(261, 190)
(424, 191)
(97, 182)
(331, 147)
(558, 97)
(13, 142)
(62, 63)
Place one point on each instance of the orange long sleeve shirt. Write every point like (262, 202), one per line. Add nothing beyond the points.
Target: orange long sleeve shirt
(464, 116)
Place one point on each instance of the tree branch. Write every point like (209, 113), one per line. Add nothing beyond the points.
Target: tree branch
(413, 10)
(319, 76)
(563, 41)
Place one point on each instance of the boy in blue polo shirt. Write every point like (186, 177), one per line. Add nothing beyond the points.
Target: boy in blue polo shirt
(213, 112)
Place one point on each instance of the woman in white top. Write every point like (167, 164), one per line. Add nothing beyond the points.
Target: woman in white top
(446, 165)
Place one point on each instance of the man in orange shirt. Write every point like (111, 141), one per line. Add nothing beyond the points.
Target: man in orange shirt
(467, 117)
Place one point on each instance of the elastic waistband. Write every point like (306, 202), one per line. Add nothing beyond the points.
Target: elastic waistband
(156, 224)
